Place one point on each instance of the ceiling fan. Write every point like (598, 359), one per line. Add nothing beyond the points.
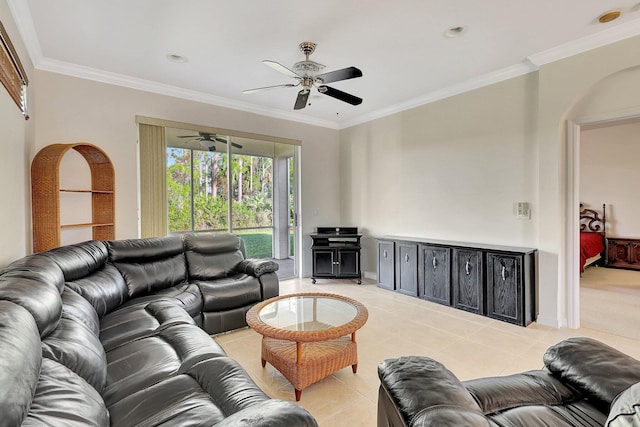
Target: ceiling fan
(208, 140)
(308, 75)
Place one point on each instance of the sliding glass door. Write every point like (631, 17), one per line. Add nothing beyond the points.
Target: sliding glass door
(247, 187)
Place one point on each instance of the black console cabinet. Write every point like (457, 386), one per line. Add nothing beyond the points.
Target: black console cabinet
(489, 280)
(336, 253)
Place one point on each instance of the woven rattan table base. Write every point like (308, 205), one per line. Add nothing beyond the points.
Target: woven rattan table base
(318, 359)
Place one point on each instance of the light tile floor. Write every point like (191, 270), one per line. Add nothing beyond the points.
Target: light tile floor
(610, 301)
(469, 345)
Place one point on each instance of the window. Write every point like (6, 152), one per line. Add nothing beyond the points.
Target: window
(197, 193)
(12, 74)
(212, 188)
(209, 179)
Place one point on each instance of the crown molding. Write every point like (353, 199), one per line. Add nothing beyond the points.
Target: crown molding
(456, 89)
(584, 44)
(24, 22)
(93, 74)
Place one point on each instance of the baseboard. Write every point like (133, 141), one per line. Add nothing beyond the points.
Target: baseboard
(551, 321)
(370, 275)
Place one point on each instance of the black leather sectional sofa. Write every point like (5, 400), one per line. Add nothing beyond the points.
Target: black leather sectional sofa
(117, 333)
(584, 383)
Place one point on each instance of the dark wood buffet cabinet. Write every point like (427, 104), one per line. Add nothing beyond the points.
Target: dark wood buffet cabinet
(489, 280)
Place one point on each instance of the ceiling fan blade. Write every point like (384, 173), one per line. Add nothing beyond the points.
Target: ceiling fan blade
(281, 68)
(301, 100)
(344, 74)
(189, 136)
(224, 141)
(338, 94)
(268, 87)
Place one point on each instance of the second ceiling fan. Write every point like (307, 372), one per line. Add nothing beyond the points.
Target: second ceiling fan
(309, 76)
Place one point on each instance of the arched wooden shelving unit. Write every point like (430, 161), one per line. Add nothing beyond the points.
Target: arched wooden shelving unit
(45, 194)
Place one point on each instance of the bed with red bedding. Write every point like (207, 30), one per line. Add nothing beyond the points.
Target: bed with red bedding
(592, 237)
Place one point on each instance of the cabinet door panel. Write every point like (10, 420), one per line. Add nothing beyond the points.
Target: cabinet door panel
(434, 274)
(407, 269)
(323, 262)
(348, 260)
(467, 280)
(386, 272)
(504, 287)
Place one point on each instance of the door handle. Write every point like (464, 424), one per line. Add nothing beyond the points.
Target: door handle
(503, 272)
(467, 268)
(435, 263)
(406, 257)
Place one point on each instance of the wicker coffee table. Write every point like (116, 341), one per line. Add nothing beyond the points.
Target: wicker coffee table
(308, 336)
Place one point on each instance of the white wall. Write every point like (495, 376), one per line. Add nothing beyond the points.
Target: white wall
(15, 152)
(610, 173)
(454, 169)
(445, 170)
(73, 110)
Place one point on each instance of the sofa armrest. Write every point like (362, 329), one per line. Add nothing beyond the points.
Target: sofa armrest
(256, 266)
(412, 386)
(270, 413)
(598, 371)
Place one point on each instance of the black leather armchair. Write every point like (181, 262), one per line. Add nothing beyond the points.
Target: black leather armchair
(584, 383)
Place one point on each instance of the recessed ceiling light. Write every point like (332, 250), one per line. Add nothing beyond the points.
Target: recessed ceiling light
(455, 31)
(609, 16)
(177, 58)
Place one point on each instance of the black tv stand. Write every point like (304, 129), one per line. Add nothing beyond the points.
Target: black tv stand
(336, 253)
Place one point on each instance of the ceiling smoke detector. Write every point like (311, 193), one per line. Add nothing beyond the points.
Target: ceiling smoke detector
(455, 31)
(177, 58)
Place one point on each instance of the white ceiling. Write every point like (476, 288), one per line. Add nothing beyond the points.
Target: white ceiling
(400, 46)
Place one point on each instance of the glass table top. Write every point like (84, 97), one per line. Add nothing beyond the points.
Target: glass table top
(307, 313)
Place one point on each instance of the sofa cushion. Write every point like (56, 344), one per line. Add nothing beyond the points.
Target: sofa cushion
(74, 345)
(104, 289)
(20, 361)
(80, 259)
(598, 371)
(148, 360)
(212, 256)
(228, 293)
(75, 306)
(41, 299)
(625, 411)
(137, 321)
(577, 414)
(204, 394)
(498, 394)
(186, 295)
(149, 265)
(62, 398)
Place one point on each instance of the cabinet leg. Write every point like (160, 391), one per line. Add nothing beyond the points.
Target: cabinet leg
(313, 280)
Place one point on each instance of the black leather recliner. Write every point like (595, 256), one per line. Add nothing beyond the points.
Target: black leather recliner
(118, 333)
(584, 383)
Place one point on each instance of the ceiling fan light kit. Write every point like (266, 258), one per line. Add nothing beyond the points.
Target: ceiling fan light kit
(309, 75)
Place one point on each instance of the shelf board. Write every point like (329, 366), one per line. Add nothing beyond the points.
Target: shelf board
(88, 224)
(68, 190)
